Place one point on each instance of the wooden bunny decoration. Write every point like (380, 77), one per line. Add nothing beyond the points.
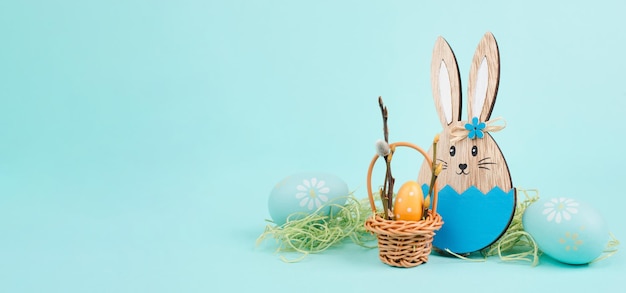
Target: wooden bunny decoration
(476, 195)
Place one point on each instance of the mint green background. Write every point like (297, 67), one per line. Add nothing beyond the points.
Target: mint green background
(140, 139)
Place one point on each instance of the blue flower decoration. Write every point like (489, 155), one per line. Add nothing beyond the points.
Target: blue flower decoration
(475, 129)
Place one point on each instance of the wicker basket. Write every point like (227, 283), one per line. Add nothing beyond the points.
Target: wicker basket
(403, 243)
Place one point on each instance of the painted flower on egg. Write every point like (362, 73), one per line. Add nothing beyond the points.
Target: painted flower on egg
(312, 193)
(571, 241)
(561, 208)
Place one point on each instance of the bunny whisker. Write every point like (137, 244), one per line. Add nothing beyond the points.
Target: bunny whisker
(483, 162)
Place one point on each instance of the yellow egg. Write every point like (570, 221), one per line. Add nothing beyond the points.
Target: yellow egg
(409, 202)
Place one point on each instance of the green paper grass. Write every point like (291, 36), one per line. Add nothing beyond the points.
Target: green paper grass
(315, 233)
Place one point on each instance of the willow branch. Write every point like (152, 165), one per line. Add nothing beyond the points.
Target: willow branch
(387, 192)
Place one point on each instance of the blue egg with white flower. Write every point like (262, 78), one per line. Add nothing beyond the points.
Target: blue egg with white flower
(566, 229)
(302, 194)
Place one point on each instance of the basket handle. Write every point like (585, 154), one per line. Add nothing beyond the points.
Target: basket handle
(373, 162)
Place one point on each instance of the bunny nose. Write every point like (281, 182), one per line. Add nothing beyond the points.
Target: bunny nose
(462, 167)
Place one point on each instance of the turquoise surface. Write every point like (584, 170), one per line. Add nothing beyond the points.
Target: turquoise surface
(140, 140)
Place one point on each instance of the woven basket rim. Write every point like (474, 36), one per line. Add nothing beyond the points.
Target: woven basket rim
(401, 228)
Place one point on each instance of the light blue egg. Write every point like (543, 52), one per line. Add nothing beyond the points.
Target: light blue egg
(305, 193)
(567, 229)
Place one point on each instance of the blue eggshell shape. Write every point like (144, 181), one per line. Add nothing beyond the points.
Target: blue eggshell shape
(305, 193)
(472, 220)
(566, 229)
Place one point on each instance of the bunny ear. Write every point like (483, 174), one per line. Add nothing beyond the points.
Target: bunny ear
(446, 83)
(484, 78)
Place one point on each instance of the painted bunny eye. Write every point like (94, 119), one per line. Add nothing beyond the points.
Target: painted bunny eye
(452, 151)
(474, 151)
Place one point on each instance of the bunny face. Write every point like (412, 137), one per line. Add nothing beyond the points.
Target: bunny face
(471, 162)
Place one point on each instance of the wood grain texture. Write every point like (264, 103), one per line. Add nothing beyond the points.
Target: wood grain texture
(468, 162)
(485, 170)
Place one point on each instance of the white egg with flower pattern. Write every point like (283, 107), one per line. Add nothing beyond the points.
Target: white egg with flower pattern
(566, 229)
(304, 194)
